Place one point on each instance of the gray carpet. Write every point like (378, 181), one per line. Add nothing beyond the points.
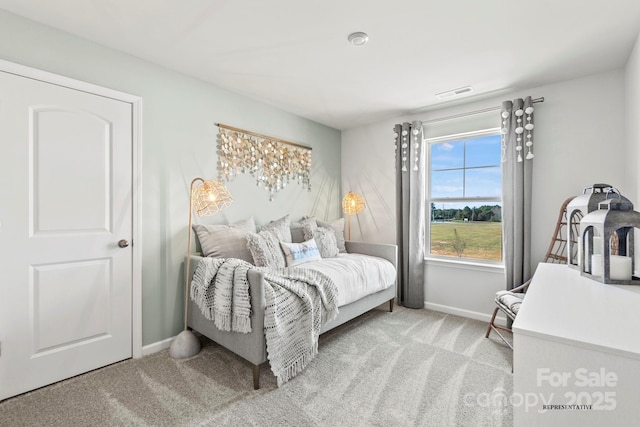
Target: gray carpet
(406, 368)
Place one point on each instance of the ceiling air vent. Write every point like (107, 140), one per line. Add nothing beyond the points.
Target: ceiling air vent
(454, 92)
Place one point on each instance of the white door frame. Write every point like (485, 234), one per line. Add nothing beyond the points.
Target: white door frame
(136, 137)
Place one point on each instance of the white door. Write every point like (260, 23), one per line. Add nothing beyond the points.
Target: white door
(65, 202)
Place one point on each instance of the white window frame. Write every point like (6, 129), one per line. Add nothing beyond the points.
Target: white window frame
(428, 200)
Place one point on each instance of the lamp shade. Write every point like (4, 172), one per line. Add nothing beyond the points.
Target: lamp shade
(352, 203)
(209, 197)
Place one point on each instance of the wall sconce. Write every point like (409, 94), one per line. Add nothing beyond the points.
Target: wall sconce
(206, 198)
(614, 221)
(577, 209)
(352, 204)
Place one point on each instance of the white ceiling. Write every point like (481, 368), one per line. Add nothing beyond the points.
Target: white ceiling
(294, 54)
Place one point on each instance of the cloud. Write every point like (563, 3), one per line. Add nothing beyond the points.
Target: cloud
(445, 146)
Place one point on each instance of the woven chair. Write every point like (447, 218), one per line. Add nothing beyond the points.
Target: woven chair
(509, 301)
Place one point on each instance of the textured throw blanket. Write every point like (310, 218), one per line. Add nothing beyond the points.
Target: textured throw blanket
(221, 289)
(298, 303)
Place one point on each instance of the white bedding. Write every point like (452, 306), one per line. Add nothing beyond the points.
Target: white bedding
(355, 275)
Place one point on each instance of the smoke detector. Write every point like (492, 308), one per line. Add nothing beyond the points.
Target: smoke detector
(358, 38)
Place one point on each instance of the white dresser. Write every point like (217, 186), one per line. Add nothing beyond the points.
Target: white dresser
(577, 343)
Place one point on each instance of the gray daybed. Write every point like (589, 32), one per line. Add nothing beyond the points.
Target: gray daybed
(252, 346)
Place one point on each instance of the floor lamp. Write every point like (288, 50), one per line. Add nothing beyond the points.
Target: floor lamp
(206, 198)
(352, 204)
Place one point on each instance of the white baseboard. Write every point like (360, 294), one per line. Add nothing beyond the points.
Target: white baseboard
(500, 320)
(156, 346)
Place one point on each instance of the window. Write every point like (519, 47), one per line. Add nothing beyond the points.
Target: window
(465, 196)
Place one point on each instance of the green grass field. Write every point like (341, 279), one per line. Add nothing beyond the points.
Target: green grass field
(482, 240)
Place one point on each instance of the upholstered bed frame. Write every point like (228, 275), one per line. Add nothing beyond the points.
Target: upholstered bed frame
(252, 346)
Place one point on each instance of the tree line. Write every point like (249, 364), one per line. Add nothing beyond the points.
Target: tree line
(479, 213)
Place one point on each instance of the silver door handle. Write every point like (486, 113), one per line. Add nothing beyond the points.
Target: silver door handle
(123, 243)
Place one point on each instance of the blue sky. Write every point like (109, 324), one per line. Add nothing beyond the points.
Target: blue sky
(483, 182)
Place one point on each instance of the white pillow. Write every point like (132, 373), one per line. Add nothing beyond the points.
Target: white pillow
(299, 253)
(265, 248)
(226, 241)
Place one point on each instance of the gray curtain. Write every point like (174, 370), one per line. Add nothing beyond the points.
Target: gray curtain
(517, 158)
(410, 213)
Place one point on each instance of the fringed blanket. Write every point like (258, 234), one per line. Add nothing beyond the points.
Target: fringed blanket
(221, 289)
(298, 303)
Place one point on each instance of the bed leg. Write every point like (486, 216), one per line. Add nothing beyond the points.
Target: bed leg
(391, 305)
(256, 377)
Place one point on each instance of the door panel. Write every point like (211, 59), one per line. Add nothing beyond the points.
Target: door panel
(86, 286)
(86, 202)
(65, 202)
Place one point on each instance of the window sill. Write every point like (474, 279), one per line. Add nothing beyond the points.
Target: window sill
(465, 264)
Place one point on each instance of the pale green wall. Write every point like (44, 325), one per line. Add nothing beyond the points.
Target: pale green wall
(179, 138)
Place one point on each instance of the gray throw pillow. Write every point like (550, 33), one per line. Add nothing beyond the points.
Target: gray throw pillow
(325, 239)
(265, 248)
(282, 225)
(297, 229)
(226, 241)
(338, 227)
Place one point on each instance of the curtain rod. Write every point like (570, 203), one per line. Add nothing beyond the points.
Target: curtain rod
(270, 138)
(473, 113)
